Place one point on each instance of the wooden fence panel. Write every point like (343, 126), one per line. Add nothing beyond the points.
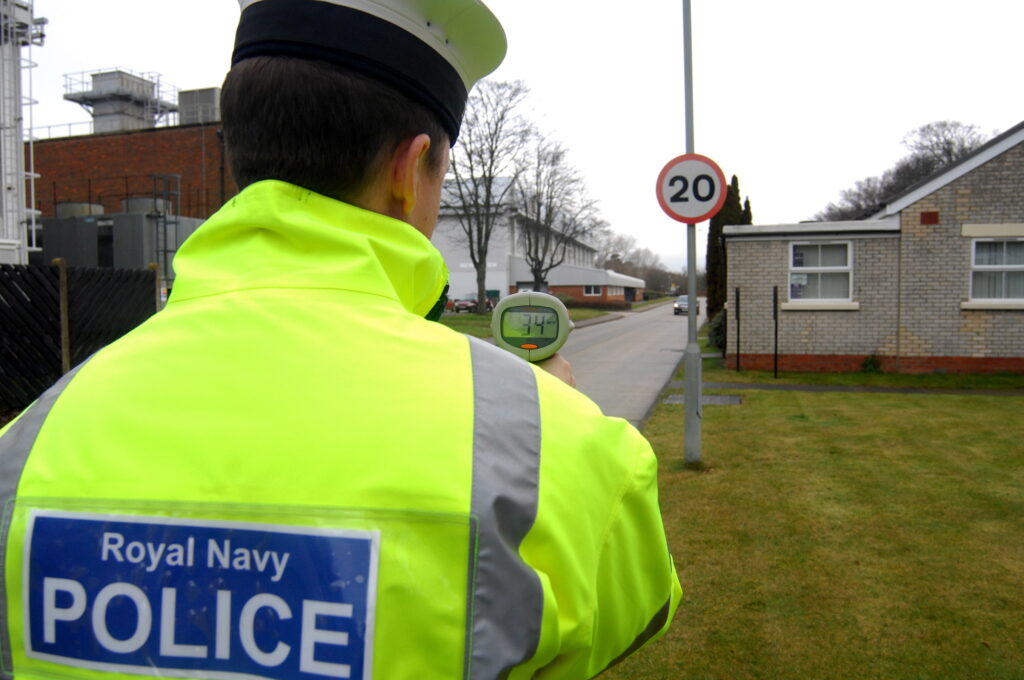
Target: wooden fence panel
(95, 321)
(29, 333)
(104, 304)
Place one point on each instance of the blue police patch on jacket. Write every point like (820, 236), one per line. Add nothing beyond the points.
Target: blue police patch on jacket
(187, 597)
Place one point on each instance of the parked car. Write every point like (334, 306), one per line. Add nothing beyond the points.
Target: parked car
(467, 303)
(682, 305)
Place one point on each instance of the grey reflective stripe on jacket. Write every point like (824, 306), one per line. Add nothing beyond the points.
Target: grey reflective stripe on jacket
(507, 601)
(15, 446)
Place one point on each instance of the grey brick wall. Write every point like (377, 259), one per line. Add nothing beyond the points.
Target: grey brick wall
(936, 263)
(756, 266)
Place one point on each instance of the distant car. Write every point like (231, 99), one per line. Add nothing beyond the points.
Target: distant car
(467, 303)
(682, 305)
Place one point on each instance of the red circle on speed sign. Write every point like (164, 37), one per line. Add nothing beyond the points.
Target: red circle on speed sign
(691, 188)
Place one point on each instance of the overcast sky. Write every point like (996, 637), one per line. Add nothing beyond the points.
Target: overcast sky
(798, 98)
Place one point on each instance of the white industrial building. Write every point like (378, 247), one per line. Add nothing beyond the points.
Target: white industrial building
(507, 269)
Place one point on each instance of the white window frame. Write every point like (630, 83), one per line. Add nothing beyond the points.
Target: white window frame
(847, 269)
(587, 288)
(975, 267)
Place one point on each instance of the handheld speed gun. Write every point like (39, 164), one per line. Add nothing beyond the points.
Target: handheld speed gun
(531, 325)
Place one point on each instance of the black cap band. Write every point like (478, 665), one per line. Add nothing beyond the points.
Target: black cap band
(324, 31)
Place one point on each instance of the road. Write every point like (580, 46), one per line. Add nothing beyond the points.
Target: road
(624, 364)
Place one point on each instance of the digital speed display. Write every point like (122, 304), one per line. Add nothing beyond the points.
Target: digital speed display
(529, 323)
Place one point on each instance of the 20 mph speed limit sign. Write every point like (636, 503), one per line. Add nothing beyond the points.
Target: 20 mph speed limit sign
(691, 188)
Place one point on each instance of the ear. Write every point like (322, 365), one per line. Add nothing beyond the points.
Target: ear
(405, 175)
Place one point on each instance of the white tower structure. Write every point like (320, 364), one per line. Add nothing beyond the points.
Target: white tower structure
(18, 28)
(121, 100)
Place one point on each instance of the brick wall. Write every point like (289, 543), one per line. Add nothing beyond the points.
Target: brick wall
(756, 266)
(852, 362)
(105, 168)
(938, 258)
(576, 292)
(753, 267)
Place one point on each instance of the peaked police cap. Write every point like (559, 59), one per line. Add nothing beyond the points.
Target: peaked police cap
(433, 51)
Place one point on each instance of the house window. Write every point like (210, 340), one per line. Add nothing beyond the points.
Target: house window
(591, 290)
(819, 271)
(997, 271)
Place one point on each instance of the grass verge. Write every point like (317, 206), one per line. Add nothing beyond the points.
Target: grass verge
(852, 536)
(654, 301)
(477, 325)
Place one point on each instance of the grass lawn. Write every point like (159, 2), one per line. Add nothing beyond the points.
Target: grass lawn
(478, 325)
(846, 536)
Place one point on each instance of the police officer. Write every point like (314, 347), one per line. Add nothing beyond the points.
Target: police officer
(290, 472)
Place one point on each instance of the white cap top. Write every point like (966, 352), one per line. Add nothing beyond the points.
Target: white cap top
(433, 51)
(465, 32)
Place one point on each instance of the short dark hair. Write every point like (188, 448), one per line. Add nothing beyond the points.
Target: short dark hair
(316, 125)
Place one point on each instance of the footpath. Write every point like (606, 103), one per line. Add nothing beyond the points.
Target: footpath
(787, 387)
(615, 316)
(583, 323)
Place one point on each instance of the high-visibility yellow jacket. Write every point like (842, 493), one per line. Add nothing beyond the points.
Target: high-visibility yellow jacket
(292, 381)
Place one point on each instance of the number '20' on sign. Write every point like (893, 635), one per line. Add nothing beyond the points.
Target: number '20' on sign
(691, 188)
(699, 181)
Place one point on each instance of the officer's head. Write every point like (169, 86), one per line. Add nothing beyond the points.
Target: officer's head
(355, 99)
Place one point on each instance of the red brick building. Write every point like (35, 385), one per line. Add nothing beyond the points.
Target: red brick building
(105, 168)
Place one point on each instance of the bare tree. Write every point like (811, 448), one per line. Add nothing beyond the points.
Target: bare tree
(484, 167)
(613, 247)
(553, 211)
(944, 141)
(622, 254)
(932, 147)
(864, 198)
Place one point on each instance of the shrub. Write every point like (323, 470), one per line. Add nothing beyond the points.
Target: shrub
(871, 364)
(717, 330)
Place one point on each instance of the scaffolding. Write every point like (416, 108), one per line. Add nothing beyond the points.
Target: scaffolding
(19, 27)
(166, 202)
(119, 99)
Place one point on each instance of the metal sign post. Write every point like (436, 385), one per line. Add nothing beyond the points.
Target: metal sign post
(691, 357)
(691, 189)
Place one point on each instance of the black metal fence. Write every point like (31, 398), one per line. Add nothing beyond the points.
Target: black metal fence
(52, 318)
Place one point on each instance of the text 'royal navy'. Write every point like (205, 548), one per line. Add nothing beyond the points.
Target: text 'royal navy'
(219, 554)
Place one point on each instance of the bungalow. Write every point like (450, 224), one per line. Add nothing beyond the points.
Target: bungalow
(932, 282)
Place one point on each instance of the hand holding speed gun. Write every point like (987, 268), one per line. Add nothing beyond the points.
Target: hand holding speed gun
(531, 325)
